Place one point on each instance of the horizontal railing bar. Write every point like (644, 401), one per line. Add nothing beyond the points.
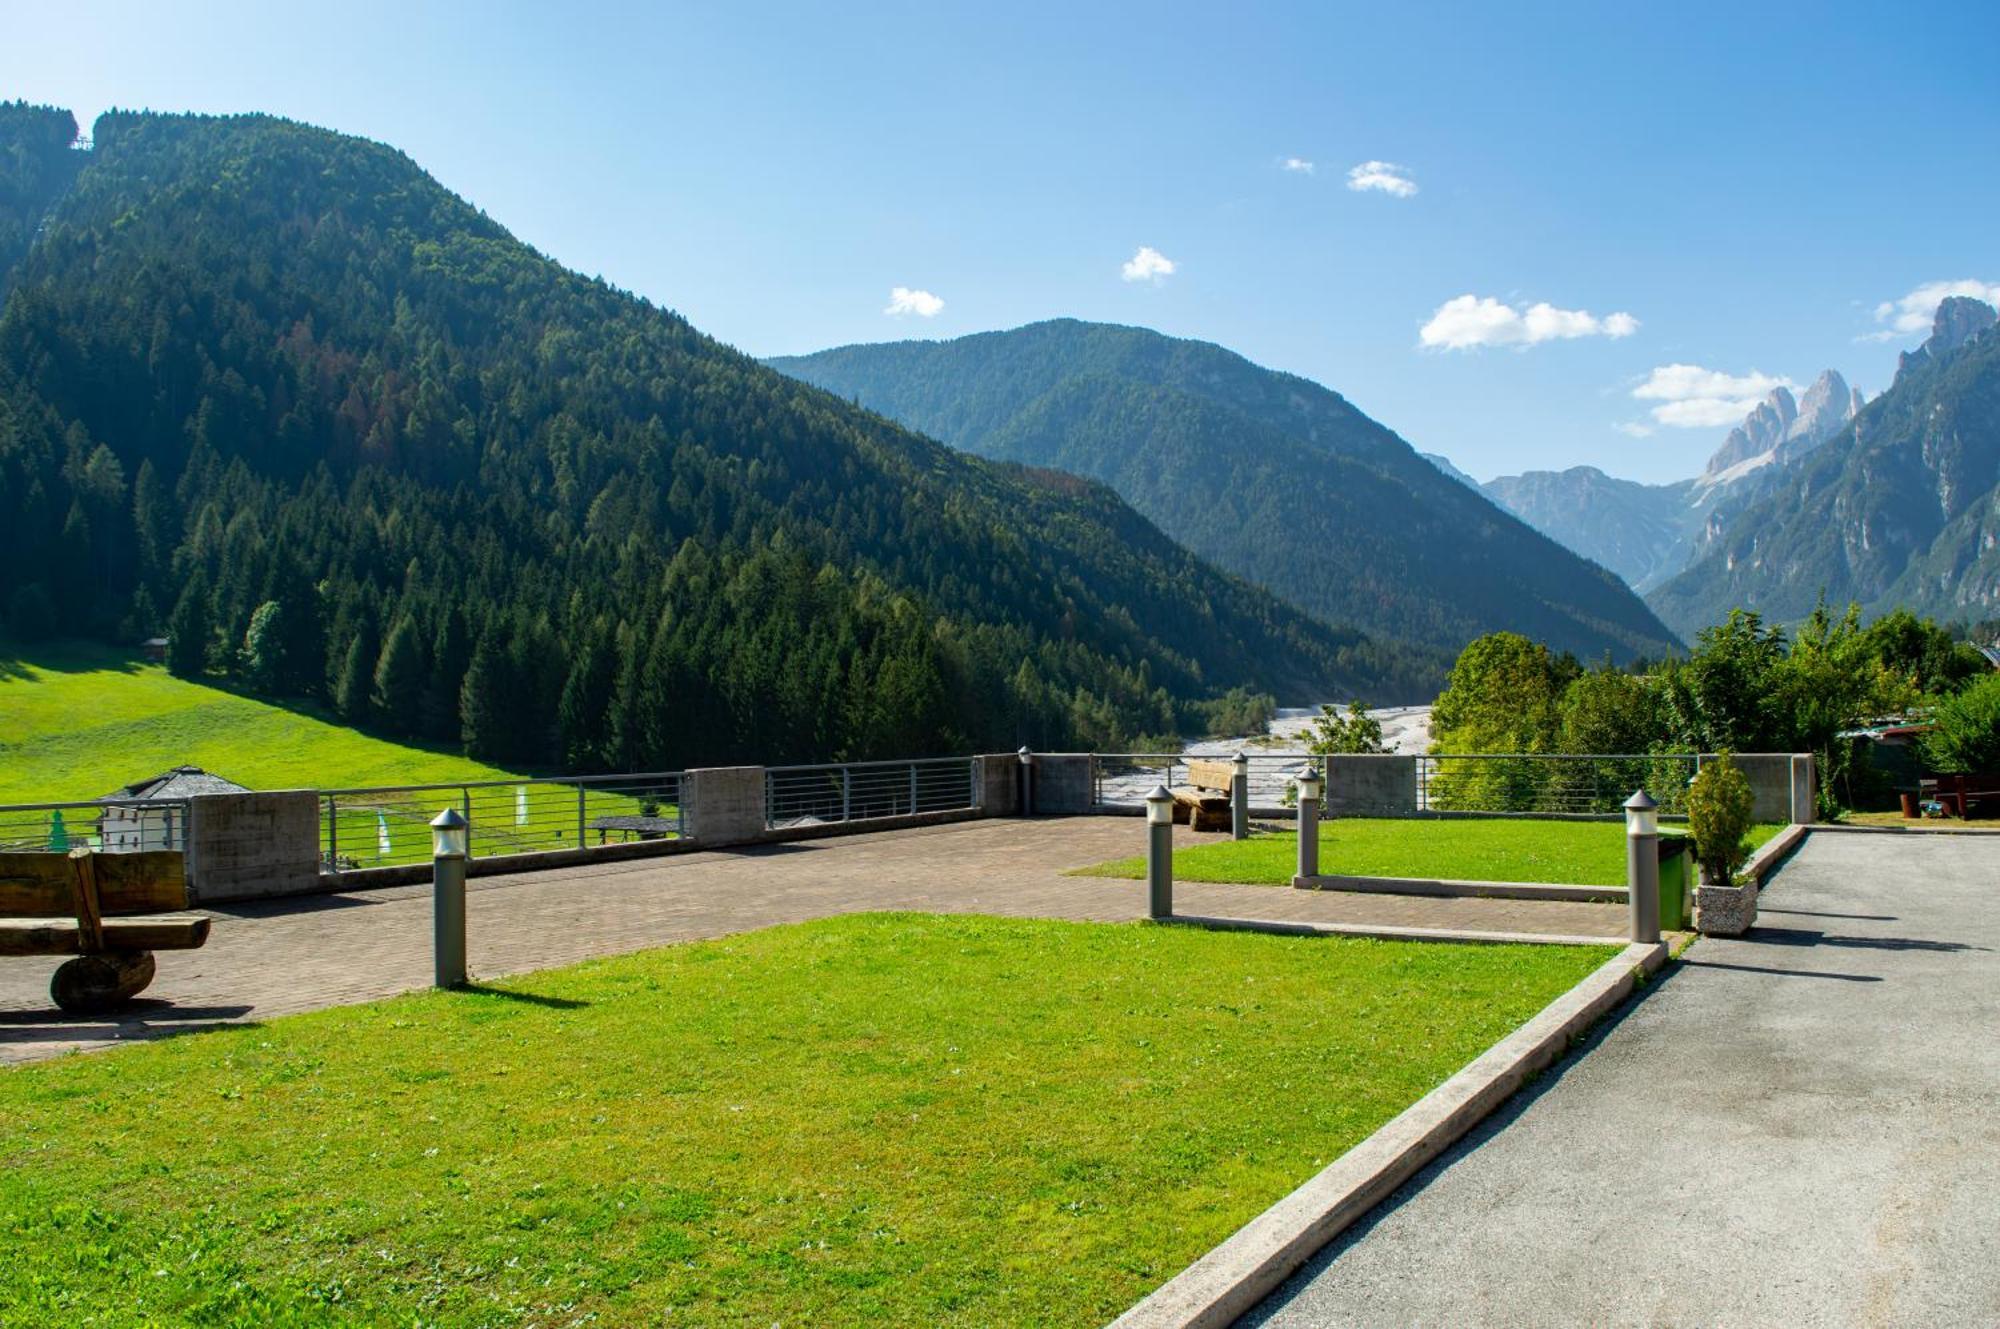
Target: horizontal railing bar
(570, 782)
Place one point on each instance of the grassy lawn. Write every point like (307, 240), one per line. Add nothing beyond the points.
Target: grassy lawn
(899, 1119)
(1581, 853)
(78, 720)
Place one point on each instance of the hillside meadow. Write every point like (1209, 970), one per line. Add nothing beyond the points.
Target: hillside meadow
(78, 720)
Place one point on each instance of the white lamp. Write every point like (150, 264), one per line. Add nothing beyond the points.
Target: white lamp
(1642, 815)
(1309, 783)
(1160, 806)
(450, 834)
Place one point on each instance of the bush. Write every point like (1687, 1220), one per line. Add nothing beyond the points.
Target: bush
(1966, 739)
(1719, 809)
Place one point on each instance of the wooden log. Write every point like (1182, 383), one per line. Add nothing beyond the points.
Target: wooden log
(42, 885)
(61, 936)
(91, 984)
(1201, 809)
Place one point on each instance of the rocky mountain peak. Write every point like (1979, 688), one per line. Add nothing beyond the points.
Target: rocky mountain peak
(1768, 424)
(1959, 319)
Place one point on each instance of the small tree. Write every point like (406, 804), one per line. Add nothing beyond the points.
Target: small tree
(1355, 732)
(1719, 810)
(1966, 739)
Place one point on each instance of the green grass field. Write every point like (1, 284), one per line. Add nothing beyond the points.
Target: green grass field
(78, 720)
(877, 1119)
(1581, 853)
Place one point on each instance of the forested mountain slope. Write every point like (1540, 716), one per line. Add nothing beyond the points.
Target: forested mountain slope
(1900, 508)
(1272, 476)
(278, 390)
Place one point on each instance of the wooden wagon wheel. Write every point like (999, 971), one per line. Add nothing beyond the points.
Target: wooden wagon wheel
(93, 984)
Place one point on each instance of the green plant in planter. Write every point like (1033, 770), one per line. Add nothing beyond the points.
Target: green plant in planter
(1966, 737)
(1719, 809)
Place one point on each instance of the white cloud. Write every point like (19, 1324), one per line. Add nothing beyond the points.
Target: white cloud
(1149, 264)
(1385, 176)
(1634, 429)
(903, 300)
(1692, 397)
(1468, 321)
(1298, 164)
(1913, 313)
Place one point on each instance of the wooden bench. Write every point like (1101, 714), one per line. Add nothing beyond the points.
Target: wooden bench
(1203, 802)
(110, 911)
(1964, 796)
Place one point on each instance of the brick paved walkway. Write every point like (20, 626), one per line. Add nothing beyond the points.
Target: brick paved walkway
(280, 957)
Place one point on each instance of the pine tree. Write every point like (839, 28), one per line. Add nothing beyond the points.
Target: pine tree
(351, 690)
(189, 628)
(399, 679)
(581, 715)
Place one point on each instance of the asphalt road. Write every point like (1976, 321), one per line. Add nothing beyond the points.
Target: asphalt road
(1798, 1128)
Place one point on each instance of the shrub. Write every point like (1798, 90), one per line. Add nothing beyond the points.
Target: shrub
(1966, 739)
(1719, 809)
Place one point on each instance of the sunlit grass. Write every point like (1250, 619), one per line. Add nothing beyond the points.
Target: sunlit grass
(887, 1119)
(1581, 853)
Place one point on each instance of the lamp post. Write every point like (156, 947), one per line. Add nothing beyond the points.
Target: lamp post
(1642, 865)
(1309, 791)
(1160, 853)
(1239, 798)
(450, 833)
(1027, 760)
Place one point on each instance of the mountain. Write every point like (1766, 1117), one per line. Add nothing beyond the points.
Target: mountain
(1443, 463)
(1270, 475)
(1649, 533)
(1639, 531)
(276, 390)
(1900, 507)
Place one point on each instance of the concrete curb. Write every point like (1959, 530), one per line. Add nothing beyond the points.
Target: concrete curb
(1774, 851)
(1449, 887)
(1235, 1276)
(1386, 931)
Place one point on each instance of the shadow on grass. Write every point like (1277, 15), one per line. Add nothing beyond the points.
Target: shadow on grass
(66, 656)
(526, 998)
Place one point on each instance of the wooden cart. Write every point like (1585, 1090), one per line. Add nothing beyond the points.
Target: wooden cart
(109, 911)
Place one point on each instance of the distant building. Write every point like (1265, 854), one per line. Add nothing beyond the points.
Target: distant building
(156, 649)
(149, 814)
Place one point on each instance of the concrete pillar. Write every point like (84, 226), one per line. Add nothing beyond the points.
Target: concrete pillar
(1804, 794)
(1239, 798)
(724, 805)
(449, 835)
(1642, 867)
(1160, 853)
(1309, 787)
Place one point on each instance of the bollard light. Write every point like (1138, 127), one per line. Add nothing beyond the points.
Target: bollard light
(1160, 806)
(1160, 853)
(1241, 761)
(450, 834)
(1642, 815)
(1309, 782)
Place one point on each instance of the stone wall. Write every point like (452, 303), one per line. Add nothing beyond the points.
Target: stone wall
(1000, 785)
(252, 846)
(724, 804)
(1063, 785)
(1370, 786)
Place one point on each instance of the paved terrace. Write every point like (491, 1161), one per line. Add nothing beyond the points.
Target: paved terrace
(275, 958)
(1797, 1128)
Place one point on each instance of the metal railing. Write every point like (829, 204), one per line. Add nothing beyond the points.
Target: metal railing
(868, 790)
(1123, 779)
(1561, 784)
(111, 827)
(389, 825)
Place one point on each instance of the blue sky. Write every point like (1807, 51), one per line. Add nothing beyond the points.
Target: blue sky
(1745, 185)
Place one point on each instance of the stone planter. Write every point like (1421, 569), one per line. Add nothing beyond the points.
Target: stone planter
(1722, 910)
